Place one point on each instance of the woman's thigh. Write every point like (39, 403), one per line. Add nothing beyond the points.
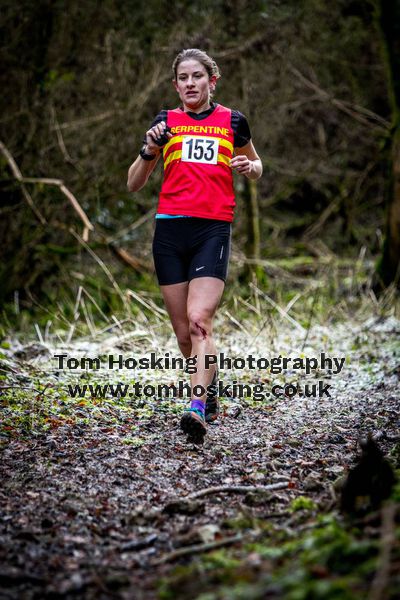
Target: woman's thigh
(210, 250)
(204, 296)
(176, 299)
(170, 251)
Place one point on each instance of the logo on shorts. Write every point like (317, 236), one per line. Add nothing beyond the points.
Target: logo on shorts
(199, 268)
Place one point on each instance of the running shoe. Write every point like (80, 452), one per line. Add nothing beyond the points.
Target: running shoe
(212, 402)
(193, 423)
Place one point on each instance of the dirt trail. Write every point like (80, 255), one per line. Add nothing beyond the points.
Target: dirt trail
(86, 499)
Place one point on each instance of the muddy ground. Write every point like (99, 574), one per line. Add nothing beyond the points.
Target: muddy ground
(98, 496)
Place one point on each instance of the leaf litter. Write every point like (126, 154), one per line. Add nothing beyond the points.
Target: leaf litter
(96, 493)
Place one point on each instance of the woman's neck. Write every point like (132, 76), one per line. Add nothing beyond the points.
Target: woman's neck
(199, 109)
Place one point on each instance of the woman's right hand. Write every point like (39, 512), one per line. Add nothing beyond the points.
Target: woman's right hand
(153, 134)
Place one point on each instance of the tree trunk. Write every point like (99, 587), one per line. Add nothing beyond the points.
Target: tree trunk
(388, 269)
(250, 194)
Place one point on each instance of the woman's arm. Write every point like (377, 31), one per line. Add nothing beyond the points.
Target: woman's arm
(141, 169)
(247, 162)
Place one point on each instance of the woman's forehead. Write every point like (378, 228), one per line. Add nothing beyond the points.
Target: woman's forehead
(189, 66)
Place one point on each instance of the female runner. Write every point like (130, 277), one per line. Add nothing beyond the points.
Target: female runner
(201, 142)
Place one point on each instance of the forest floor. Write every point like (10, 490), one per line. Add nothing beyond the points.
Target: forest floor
(102, 497)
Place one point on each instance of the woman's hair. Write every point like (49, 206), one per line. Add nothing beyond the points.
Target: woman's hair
(195, 54)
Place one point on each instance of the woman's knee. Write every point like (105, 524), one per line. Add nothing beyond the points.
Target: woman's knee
(184, 340)
(200, 324)
(182, 335)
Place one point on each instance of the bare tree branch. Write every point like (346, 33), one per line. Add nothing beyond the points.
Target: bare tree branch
(18, 176)
(357, 112)
(75, 204)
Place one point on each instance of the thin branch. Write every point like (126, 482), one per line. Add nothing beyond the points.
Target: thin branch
(46, 181)
(270, 267)
(355, 111)
(72, 199)
(55, 125)
(136, 263)
(18, 176)
(241, 48)
(123, 255)
(133, 226)
(235, 321)
(84, 290)
(137, 101)
(87, 120)
(280, 310)
(78, 209)
(332, 207)
(236, 489)
(310, 318)
(197, 549)
(102, 265)
(153, 308)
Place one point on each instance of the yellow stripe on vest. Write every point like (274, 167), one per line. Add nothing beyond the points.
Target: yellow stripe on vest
(173, 156)
(224, 159)
(173, 140)
(177, 155)
(226, 144)
(179, 139)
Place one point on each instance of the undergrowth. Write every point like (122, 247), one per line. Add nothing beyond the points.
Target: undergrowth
(293, 291)
(327, 557)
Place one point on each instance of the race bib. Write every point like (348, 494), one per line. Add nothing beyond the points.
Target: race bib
(200, 149)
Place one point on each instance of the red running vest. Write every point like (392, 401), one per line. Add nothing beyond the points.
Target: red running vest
(197, 177)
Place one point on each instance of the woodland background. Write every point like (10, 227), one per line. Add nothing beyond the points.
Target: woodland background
(101, 495)
(82, 81)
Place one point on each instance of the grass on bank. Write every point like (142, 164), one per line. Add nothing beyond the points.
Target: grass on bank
(299, 292)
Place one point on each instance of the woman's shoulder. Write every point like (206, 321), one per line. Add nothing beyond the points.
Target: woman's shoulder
(237, 114)
(241, 128)
(219, 106)
(162, 115)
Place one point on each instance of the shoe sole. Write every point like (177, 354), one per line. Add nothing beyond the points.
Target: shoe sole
(211, 418)
(193, 427)
(213, 400)
(214, 414)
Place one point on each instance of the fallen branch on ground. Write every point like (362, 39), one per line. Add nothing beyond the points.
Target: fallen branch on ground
(197, 549)
(237, 489)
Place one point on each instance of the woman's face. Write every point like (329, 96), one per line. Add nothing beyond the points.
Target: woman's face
(194, 85)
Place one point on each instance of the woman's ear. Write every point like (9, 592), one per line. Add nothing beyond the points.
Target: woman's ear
(175, 84)
(213, 83)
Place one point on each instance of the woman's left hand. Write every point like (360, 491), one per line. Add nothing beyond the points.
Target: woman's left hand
(242, 164)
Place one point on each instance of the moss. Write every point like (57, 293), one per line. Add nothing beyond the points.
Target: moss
(302, 503)
(331, 561)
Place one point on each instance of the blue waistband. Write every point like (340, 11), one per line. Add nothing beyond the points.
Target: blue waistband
(162, 216)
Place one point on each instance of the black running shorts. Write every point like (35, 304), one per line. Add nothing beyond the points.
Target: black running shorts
(189, 247)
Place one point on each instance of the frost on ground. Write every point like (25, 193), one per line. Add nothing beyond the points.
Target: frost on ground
(94, 501)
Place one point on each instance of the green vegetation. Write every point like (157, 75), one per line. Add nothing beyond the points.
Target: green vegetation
(85, 81)
(332, 559)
